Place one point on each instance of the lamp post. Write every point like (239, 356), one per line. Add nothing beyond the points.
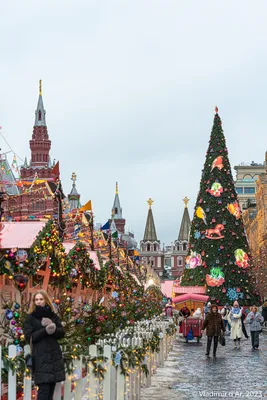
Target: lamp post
(59, 196)
(2, 198)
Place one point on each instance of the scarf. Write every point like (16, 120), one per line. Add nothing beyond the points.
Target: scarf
(42, 312)
(235, 310)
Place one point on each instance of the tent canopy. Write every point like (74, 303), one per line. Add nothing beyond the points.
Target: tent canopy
(190, 296)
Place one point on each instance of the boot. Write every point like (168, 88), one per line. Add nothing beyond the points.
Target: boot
(208, 348)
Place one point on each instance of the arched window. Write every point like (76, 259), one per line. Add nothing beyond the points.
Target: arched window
(152, 261)
(148, 247)
(184, 246)
(39, 115)
(155, 247)
(180, 261)
(116, 210)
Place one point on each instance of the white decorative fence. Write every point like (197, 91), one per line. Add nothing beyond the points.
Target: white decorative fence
(113, 385)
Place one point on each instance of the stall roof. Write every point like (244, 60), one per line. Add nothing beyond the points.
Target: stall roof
(19, 234)
(93, 254)
(166, 288)
(190, 296)
(189, 289)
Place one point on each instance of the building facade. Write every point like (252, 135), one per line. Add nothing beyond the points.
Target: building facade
(255, 220)
(180, 248)
(245, 183)
(32, 196)
(150, 251)
(118, 222)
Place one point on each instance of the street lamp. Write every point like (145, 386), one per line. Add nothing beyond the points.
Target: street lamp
(2, 198)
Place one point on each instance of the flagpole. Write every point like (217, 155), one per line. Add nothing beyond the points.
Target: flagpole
(109, 242)
(91, 226)
(118, 254)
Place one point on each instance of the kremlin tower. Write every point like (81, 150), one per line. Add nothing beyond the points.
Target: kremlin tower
(34, 195)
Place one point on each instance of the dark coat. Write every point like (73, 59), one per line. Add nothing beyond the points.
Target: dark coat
(213, 324)
(264, 313)
(48, 363)
(185, 311)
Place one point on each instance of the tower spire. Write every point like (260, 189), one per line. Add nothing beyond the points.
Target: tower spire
(74, 196)
(40, 111)
(150, 230)
(185, 224)
(116, 211)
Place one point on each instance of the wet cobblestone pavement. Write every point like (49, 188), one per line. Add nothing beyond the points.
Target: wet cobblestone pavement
(189, 375)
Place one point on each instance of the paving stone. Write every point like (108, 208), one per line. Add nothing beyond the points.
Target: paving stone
(189, 375)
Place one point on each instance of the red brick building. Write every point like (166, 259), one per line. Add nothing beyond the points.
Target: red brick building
(32, 195)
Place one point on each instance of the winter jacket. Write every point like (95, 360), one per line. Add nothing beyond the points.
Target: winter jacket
(236, 324)
(185, 311)
(224, 312)
(254, 321)
(213, 324)
(48, 363)
(264, 313)
(206, 310)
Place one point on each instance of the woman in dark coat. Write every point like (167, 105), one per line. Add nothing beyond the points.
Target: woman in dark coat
(264, 311)
(43, 329)
(214, 326)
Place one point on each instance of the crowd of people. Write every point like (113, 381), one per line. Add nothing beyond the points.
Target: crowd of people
(229, 320)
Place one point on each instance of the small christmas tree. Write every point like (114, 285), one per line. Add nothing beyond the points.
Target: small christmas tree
(218, 255)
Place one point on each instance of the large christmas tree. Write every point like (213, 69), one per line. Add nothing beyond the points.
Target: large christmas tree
(218, 256)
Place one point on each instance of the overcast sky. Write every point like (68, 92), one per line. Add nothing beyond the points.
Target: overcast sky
(129, 89)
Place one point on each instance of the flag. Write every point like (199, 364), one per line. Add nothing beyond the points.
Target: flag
(84, 220)
(105, 227)
(113, 227)
(87, 206)
(115, 235)
(55, 170)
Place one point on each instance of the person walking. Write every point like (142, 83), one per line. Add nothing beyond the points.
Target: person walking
(214, 327)
(264, 311)
(207, 308)
(43, 329)
(254, 319)
(234, 319)
(244, 316)
(224, 313)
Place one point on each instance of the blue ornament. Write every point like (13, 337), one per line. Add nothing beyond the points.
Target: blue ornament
(17, 306)
(232, 294)
(115, 295)
(9, 315)
(197, 235)
(117, 358)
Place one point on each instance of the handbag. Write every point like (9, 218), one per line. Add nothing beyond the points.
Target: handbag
(222, 340)
(28, 357)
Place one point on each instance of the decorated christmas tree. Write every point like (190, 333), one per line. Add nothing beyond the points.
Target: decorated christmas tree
(218, 256)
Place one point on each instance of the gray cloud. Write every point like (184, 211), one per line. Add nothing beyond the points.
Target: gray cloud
(130, 90)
